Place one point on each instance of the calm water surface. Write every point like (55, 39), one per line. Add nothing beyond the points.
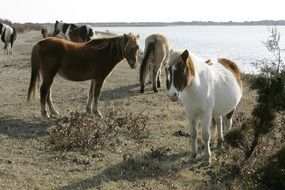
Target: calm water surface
(242, 44)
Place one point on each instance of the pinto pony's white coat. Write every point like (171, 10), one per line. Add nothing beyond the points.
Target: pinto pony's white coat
(207, 91)
(8, 35)
(71, 32)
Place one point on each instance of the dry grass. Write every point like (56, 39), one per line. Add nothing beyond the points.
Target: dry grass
(137, 146)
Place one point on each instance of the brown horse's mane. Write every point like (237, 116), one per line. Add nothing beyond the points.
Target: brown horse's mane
(99, 43)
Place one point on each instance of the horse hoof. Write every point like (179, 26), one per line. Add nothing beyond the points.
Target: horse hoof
(193, 155)
(55, 114)
(98, 114)
(206, 163)
(158, 85)
(45, 115)
(142, 91)
(220, 145)
(155, 90)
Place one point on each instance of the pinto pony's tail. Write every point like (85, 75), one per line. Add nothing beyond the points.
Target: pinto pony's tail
(13, 36)
(145, 61)
(35, 73)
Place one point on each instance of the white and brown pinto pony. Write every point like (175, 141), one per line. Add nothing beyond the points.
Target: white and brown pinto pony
(155, 57)
(207, 91)
(8, 35)
(93, 60)
(73, 32)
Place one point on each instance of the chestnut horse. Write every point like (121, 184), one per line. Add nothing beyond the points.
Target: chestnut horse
(73, 32)
(93, 60)
(155, 58)
(207, 91)
(8, 35)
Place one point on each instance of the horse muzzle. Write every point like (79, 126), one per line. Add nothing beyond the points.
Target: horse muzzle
(133, 65)
(173, 97)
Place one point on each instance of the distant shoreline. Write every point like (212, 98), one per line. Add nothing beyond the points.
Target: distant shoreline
(192, 23)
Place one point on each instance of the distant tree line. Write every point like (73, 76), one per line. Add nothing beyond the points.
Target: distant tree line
(192, 23)
(22, 27)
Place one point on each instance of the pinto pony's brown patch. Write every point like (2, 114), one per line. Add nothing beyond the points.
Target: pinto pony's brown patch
(232, 67)
(184, 72)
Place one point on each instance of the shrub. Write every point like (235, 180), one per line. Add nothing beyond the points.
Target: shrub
(80, 132)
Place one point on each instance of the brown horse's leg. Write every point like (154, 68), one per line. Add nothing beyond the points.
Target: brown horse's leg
(90, 97)
(52, 110)
(45, 91)
(97, 93)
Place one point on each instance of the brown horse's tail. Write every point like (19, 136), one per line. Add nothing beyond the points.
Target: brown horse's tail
(145, 61)
(35, 74)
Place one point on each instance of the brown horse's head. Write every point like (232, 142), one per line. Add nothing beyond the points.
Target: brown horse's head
(131, 49)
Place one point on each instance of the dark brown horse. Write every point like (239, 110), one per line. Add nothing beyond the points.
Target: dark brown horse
(93, 60)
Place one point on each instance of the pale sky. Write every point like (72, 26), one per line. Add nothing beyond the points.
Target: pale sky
(141, 11)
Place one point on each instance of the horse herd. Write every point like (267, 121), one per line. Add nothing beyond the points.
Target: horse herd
(208, 89)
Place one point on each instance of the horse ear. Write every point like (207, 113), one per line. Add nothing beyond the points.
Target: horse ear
(185, 55)
(126, 37)
(171, 50)
(137, 36)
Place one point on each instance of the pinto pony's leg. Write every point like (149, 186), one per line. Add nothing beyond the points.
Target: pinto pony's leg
(229, 121)
(206, 122)
(194, 135)
(12, 47)
(6, 48)
(90, 97)
(97, 92)
(219, 122)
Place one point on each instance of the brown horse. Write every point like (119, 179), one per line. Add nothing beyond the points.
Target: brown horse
(93, 60)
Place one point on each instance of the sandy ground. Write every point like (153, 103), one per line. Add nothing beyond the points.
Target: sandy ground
(27, 162)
